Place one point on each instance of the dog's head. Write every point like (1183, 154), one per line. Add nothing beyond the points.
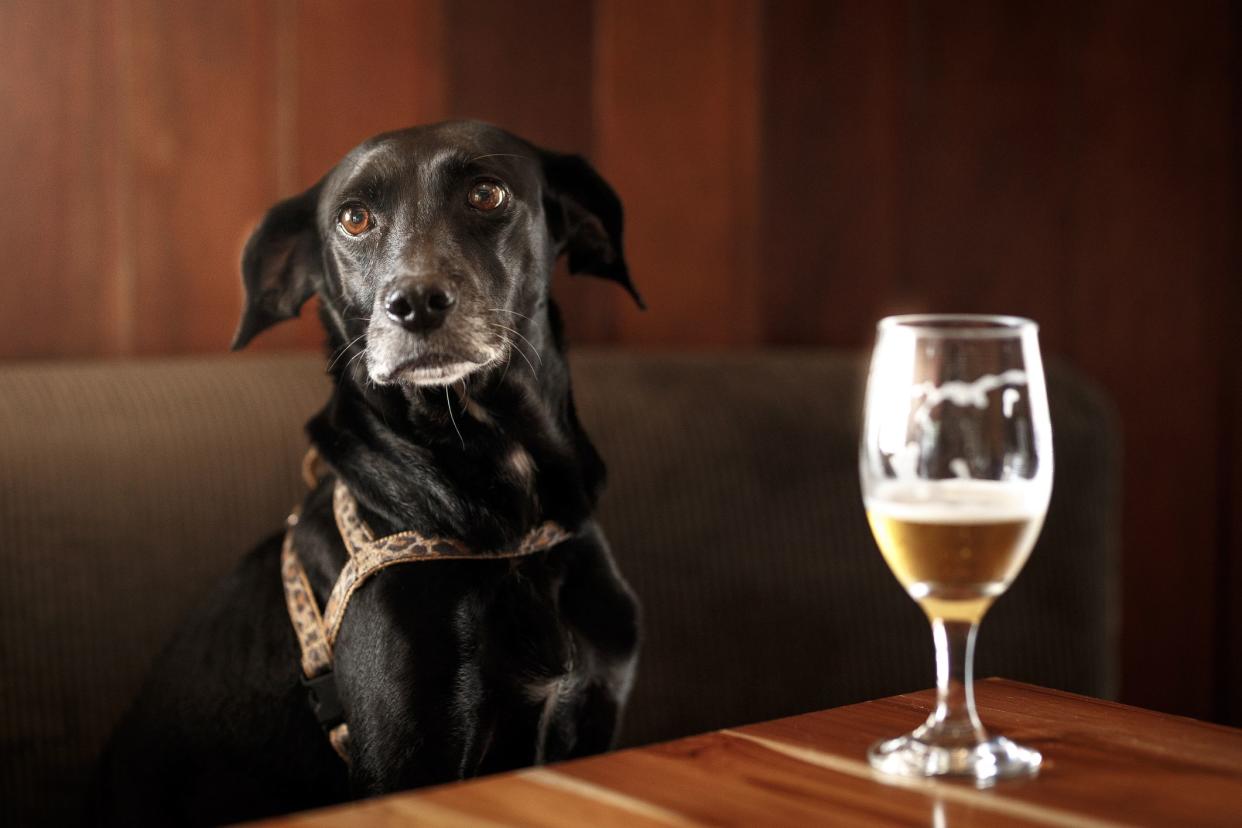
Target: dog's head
(432, 249)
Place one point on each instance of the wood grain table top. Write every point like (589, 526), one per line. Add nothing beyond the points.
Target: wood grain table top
(1104, 764)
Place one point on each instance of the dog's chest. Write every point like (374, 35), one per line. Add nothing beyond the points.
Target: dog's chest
(531, 643)
(536, 665)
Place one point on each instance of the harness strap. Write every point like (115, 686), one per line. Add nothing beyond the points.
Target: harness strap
(366, 555)
(303, 611)
(317, 675)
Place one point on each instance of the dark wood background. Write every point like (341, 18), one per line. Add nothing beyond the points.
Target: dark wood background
(792, 171)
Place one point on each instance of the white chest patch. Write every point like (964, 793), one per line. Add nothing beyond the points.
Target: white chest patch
(521, 466)
(551, 693)
(476, 411)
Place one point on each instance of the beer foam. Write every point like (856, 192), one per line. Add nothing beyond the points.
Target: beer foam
(959, 501)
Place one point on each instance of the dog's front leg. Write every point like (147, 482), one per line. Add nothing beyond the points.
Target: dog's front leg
(599, 606)
(408, 673)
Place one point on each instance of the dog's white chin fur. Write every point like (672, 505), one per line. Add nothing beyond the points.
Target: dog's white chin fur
(436, 376)
(439, 375)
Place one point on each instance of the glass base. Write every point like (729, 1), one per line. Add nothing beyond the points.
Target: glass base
(985, 762)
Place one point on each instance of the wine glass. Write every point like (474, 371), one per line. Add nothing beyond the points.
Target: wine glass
(956, 466)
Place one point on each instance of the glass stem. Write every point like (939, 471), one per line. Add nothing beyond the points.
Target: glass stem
(954, 721)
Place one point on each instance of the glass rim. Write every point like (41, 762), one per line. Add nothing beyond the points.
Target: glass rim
(969, 325)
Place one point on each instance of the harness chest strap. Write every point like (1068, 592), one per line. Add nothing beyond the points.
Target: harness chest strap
(366, 555)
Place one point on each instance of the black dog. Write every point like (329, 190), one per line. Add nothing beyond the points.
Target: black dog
(431, 252)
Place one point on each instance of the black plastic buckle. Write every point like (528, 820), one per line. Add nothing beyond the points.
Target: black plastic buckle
(324, 701)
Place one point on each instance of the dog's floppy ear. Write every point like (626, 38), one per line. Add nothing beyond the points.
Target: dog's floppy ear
(278, 265)
(584, 215)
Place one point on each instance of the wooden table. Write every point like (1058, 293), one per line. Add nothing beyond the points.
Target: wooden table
(1104, 764)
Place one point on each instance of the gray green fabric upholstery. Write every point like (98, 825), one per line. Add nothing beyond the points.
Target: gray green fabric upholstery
(733, 508)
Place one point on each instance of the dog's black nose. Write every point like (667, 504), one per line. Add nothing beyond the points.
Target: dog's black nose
(419, 307)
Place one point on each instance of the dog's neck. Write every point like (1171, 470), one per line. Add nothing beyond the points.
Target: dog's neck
(483, 460)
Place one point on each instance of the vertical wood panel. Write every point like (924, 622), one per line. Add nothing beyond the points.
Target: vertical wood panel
(58, 178)
(202, 112)
(988, 160)
(677, 107)
(362, 73)
(525, 67)
(832, 95)
(539, 86)
(1229, 587)
(1147, 304)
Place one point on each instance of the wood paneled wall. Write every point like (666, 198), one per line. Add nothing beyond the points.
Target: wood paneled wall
(792, 171)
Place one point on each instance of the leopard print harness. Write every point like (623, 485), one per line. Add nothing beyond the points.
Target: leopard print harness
(316, 631)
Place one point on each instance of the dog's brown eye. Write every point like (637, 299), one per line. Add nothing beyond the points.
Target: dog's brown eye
(355, 218)
(487, 195)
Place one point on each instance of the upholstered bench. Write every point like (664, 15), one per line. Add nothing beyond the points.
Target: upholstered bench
(733, 508)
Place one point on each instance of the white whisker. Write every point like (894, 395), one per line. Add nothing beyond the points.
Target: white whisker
(449, 404)
(345, 349)
(515, 313)
(352, 360)
(513, 348)
(533, 349)
(508, 360)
